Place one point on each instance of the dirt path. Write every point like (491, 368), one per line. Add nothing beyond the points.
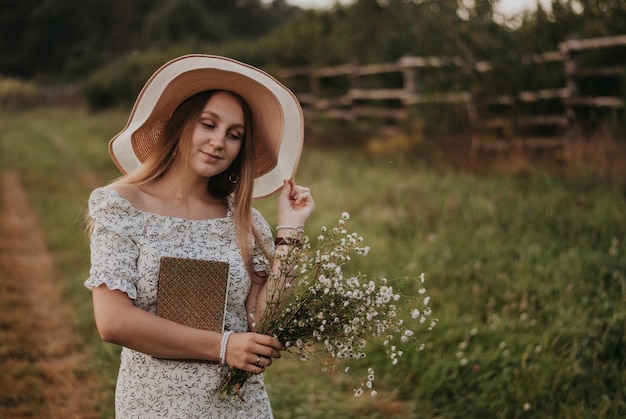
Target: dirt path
(42, 363)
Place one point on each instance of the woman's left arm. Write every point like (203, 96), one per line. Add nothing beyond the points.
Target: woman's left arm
(295, 206)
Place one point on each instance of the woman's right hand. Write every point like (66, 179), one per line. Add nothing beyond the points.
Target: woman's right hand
(252, 352)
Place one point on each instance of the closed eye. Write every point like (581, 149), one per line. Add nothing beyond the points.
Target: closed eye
(235, 135)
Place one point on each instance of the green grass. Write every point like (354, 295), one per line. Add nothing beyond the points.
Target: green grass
(527, 275)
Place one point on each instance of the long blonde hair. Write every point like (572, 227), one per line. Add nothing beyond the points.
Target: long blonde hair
(176, 141)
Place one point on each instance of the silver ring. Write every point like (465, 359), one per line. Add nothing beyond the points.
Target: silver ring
(257, 361)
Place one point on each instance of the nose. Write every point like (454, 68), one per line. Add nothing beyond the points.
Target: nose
(217, 139)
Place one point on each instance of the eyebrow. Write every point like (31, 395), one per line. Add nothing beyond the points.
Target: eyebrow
(216, 116)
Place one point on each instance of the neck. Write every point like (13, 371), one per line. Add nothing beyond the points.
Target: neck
(174, 184)
(172, 196)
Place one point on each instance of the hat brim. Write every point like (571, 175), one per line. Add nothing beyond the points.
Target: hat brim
(277, 115)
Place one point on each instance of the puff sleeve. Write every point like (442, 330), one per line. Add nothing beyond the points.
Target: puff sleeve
(114, 252)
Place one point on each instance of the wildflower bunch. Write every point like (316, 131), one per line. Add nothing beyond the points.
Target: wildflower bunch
(315, 309)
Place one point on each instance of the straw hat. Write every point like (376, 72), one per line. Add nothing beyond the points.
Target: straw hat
(277, 116)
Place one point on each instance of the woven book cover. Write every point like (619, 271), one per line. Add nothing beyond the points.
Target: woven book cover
(193, 292)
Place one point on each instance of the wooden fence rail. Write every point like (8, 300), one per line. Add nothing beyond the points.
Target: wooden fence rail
(395, 102)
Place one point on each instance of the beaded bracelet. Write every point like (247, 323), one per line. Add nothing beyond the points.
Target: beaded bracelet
(225, 337)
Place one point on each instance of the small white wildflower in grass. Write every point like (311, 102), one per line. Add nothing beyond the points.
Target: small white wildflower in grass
(527, 407)
(374, 393)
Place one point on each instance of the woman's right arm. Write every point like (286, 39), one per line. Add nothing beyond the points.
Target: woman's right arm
(119, 321)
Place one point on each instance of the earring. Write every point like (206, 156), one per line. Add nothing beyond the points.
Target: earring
(233, 178)
(175, 152)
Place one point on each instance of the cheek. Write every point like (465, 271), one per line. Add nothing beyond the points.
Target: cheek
(235, 149)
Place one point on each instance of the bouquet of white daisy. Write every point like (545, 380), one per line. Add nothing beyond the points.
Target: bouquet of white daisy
(316, 309)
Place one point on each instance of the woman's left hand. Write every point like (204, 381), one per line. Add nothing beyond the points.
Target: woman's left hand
(295, 204)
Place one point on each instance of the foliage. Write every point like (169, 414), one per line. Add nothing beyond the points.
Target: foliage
(120, 83)
(17, 93)
(183, 21)
(89, 35)
(103, 31)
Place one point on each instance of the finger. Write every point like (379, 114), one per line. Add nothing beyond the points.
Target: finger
(255, 366)
(267, 352)
(293, 189)
(300, 193)
(263, 362)
(285, 193)
(304, 198)
(267, 346)
(259, 364)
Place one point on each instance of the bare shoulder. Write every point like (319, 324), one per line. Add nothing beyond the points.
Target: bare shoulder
(131, 193)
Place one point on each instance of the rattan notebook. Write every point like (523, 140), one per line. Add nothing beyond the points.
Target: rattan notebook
(193, 292)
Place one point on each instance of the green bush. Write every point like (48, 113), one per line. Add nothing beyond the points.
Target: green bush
(16, 93)
(119, 83)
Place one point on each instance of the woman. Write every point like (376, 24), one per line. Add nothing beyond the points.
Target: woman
(206, 135)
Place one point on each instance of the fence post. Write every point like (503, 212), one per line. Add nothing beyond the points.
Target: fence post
(353, 76)
(409, 85)
(314, 86)
(570, 64)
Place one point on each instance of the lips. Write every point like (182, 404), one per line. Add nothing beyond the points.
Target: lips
(211, 156)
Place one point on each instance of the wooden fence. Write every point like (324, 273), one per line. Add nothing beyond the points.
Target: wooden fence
(495, 121)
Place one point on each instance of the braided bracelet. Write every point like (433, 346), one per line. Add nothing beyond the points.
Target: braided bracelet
(225, 337)
(289, 227)
(286, 241)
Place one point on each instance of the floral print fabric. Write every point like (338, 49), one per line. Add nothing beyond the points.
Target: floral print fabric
(126, 247)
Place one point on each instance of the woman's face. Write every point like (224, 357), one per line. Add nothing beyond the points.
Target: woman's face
(218, 135)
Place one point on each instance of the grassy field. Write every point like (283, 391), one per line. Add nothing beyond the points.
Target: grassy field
(527, 275)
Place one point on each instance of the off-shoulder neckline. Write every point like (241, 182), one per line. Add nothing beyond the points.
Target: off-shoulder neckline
(127, 203)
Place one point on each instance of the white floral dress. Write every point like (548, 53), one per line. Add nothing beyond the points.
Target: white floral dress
(126, 247)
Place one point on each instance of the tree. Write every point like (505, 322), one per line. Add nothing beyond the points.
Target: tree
(67, 39)
(183, 21)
